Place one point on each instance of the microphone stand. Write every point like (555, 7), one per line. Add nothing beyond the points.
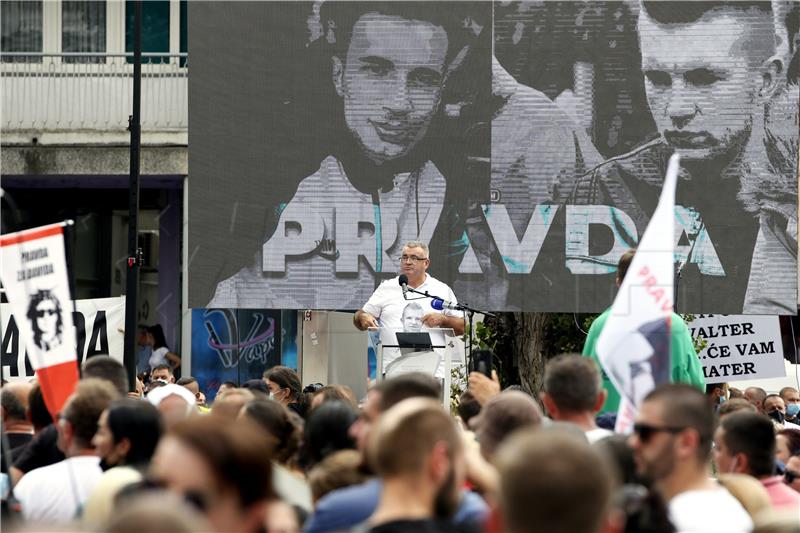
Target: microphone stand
(469, 311)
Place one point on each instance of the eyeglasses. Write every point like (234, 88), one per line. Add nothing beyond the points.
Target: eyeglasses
(43, 312)
(789, 476)
(646, 431)
(411, 258)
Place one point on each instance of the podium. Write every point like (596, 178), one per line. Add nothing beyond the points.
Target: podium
(430, 351)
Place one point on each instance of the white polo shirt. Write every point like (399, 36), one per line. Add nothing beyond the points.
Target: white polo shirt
(387, 302)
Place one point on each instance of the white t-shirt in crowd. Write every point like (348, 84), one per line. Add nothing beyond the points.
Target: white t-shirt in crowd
(55, 493)
(708, 511)
(158, 357)
(596, 434)
(387, 305)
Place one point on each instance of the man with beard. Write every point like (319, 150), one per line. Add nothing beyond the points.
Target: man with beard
(417, 452)
(671, 444)
(347, 222)
(714, 75)
(345, 508)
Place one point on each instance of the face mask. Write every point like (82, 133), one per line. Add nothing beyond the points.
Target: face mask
(792, 410)
(777, 416)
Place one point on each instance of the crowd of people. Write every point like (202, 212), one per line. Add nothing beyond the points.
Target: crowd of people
(269, 457)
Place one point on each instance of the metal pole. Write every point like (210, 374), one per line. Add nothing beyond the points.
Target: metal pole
(134, 252)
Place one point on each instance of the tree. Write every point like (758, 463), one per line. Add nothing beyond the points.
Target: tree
(523, 342)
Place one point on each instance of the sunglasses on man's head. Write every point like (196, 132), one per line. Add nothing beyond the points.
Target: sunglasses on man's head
(789, 476)
(645, 432)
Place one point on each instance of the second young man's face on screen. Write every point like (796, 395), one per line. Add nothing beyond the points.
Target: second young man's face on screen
(702, 92)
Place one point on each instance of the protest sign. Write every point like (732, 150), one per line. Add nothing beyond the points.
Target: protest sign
(98, 330)
(739, 347)
(35, 278)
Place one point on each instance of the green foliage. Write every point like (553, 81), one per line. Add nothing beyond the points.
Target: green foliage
(563, 335)
(699, 342)
(458, 384)
(485, 338)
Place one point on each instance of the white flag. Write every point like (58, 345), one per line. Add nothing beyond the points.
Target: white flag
(634, 346)
(35, 278)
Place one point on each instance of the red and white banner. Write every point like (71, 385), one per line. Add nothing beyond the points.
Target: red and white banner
(634, 346)
(35, 279)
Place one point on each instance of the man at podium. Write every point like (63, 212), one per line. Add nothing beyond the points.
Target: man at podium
(386, 305)
(390, 306)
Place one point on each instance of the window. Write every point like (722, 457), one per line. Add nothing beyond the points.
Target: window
(83, 29)
(155, 27)
(183, 29)
(21, 29)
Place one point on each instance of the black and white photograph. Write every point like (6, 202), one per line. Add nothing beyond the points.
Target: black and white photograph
(524, 142)
(44, 312)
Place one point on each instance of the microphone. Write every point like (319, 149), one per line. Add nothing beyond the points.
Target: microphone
(439, 304)
(403, 280)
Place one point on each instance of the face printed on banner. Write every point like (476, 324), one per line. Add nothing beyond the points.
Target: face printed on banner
(703, 92)
(391, 82)
(45, 316)
(412, 317)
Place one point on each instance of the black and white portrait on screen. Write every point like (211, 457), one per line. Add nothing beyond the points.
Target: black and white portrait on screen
(526, 142)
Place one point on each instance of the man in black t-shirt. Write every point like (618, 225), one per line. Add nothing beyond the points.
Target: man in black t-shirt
(416, 450)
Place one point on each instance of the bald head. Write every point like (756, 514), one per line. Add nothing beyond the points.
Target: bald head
(15, 401)
(503, 415)
(756, 396)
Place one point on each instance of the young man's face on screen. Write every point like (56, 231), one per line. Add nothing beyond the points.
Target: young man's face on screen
(702, 78)
(391, 82)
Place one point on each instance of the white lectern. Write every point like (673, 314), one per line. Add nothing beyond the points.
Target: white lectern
(430, 351)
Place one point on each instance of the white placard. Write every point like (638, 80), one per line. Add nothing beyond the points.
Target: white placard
(740, 347)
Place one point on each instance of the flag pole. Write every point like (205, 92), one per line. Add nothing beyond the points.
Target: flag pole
(134, 252)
